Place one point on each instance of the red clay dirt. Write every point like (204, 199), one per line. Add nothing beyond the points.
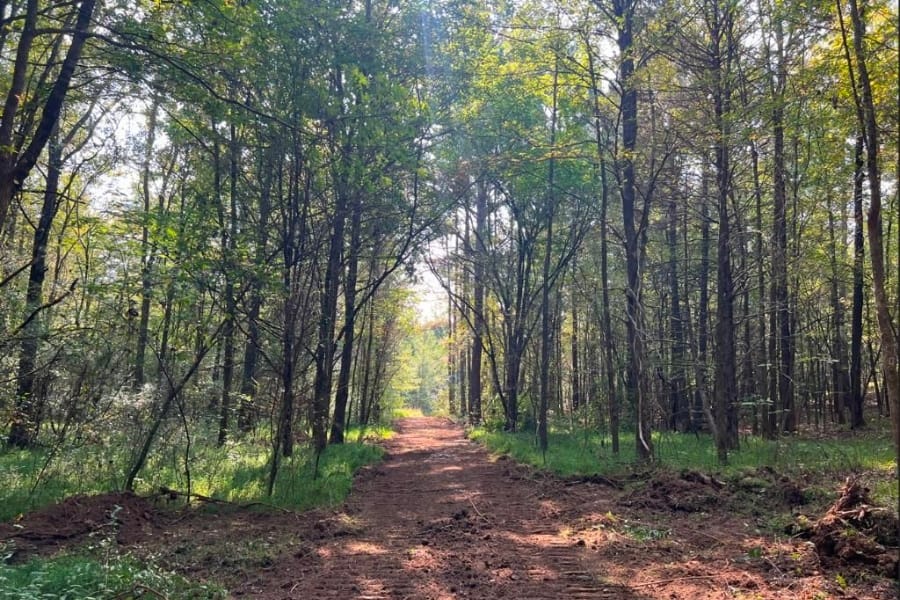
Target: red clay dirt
(442, 519)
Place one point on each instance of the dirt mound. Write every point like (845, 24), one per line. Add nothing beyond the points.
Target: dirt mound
(462, 525)
(122, 516)
(852, 531)
(688, 492)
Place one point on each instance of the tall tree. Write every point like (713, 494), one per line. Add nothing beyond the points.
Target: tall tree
(23, 137)
(634, 222)
(869, 126)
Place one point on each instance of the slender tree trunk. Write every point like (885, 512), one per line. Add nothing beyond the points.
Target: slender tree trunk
(763, 368)
(624, 14)
(451, 338)
(293, 244)
(726, 365)
(700, 400)
(857, 389)
(886, 326)
(478, 304)
(15, 166)
(780, 293)
(343, 384)
(249, 383)
(681, 418)
(229, 247)
(546, 324)
(605, 319)
(839, 376)
(26, 420)
(325, 346)
(576, 370)
(147, 253)
(365, 391)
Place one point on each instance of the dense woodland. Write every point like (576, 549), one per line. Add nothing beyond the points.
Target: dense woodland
(644, 215)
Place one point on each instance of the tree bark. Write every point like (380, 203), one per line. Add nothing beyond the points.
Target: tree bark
(249, 384)
(680, 412)
(343, 383)
(886, 326)
(16, 164)
(624, 14)
(721, 32)
(26, 417)
(857, 389)
(546, 324)
(229, 246)
(477, 256)
(840, 381)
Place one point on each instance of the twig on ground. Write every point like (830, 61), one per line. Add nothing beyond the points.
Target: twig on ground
(672, 580)
(140, 587)
(165, 491)
(709, 535)
(478, 512)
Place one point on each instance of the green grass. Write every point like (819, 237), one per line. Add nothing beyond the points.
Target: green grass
(371, 433)
(297, 486)
(237, 471)
(29, 481)
(78, 577)
(406, 413)
(581, 453)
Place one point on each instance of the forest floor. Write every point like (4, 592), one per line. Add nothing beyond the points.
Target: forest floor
(440, 518)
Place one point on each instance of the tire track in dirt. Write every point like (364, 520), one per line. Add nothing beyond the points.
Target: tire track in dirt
(439, 520)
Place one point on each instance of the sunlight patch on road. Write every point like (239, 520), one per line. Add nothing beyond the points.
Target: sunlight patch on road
(364, 548)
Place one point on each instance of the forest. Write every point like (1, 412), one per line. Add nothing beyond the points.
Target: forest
(644, 226)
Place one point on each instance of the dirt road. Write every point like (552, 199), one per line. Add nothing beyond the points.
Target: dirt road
(439, 520)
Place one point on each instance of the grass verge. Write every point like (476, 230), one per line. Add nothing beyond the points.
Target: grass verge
(83, 577)
(582, 453)
(237, 471)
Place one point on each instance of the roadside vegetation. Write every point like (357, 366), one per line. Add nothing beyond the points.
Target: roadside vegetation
(822, 460)
(236, 472)
(83, 577)
(207, 476)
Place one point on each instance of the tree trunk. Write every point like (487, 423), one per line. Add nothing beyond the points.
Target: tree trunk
(229, 247)
(343, 384)
(857, 389)
(762, 376)
(681, 419)
(869, 125)
(324, 355)
(26, 420)
(546, 324)
(624, 14)
(701, 395)
(147, 253)
(249, 384)
(576, 371)
(721, 29)
(780, 294)
(840, 382)
(477, 255)
(15, 165)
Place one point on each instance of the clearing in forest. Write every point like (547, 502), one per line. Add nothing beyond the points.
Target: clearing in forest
(442, 519)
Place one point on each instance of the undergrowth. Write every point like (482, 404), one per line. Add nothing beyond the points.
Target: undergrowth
(579, 452)
(84, 578)
(237, 471)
